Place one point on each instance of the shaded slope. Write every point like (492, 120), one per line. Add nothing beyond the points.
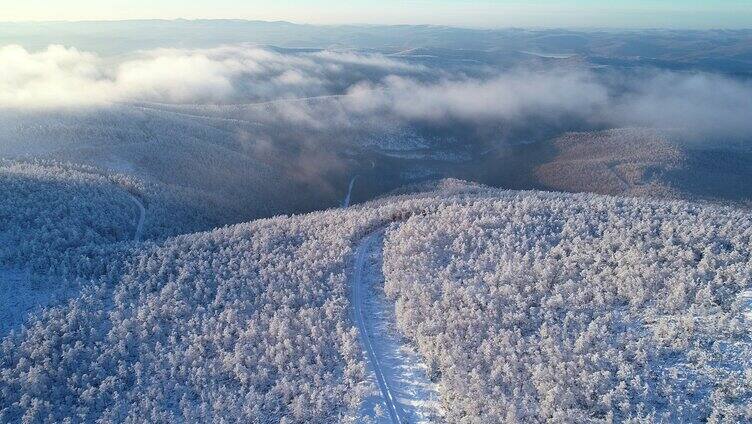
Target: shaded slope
(648, 163)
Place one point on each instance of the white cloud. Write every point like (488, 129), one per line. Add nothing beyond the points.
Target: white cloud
(703, 104)
(706, 104)
(174, 78)
(60, 76)
(371, 60)
(56, 76)
(376, 86)
(293, 77)
(508, 96)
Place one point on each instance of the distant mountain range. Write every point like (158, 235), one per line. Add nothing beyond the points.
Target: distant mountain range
(728, 51)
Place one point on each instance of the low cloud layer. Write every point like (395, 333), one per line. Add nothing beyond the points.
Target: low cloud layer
(513, 95)
(705, 104)
(374, 86)
(61, 76)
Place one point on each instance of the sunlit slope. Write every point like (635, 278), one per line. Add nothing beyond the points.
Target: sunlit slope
(600, 303)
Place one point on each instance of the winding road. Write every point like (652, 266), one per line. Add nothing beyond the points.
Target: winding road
(405, 390)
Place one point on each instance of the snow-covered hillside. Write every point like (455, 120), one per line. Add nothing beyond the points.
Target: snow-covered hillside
(49, 209)
(524, 305)
(540, 307)
(225, 170)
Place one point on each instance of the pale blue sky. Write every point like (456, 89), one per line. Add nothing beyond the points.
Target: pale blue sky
(474, 13)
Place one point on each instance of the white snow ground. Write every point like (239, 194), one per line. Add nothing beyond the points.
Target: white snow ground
(405, 393)
(747, 299)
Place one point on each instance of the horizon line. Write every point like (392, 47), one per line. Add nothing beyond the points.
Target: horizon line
(376, 25)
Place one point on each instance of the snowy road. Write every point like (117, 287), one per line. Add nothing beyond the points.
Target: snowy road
(746, 297)
(405, 393)
(141, 216)
(346, 201)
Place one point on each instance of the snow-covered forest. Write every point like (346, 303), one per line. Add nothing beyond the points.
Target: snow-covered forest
(248, 323)
(542, 307)
(527, 306)
(53, 213)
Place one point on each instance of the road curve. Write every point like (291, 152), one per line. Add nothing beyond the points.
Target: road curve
(393, 408)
